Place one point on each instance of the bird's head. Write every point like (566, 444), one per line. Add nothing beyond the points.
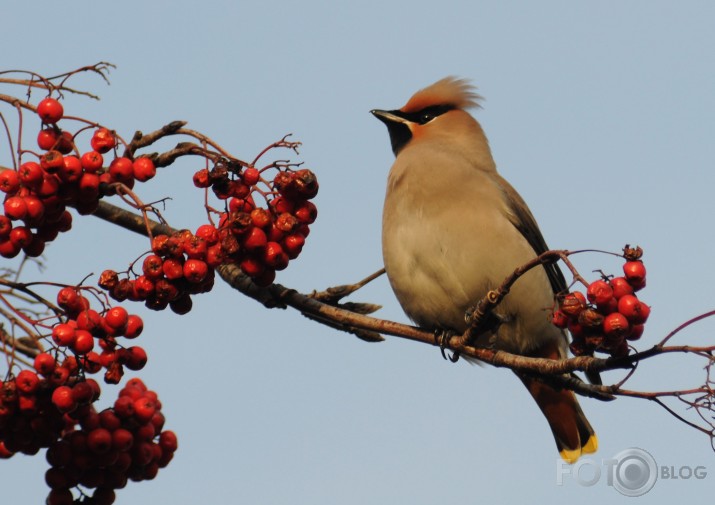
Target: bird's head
(438, 108)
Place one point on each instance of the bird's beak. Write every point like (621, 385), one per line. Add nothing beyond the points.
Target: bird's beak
(387, 116)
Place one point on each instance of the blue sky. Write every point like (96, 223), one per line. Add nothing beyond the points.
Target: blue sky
(600, 114)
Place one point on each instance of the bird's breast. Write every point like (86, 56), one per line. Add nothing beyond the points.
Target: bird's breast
(447, 240)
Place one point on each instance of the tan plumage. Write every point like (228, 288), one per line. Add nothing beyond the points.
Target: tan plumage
(453, 228)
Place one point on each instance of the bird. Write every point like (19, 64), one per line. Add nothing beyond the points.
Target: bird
(453, 228)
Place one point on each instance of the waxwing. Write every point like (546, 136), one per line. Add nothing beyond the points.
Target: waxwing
(453, 229)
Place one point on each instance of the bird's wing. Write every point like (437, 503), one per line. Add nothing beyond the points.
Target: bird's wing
(522, 218)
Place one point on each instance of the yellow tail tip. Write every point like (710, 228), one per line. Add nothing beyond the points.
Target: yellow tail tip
(570, 456)
(591, 445)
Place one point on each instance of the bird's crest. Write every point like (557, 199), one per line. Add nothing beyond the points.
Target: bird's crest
(458, 93)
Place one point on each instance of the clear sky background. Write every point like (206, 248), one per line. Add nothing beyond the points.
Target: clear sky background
(601, 114)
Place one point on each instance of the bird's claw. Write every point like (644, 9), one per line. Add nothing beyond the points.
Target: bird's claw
(442, 338)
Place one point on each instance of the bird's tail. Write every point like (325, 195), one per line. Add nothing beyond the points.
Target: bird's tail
(573, 433)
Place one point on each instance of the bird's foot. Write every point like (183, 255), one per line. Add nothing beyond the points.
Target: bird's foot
(442, 338)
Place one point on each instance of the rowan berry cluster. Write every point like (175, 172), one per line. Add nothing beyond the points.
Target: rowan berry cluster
(180, 265)
(108, 448)
(261, 240)
(53, 407)
(38, 193)
(84, 326)
(610, 314)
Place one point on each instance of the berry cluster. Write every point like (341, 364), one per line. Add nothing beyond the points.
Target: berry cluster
(261, 240)
(30, 418)
(53, 407)
(84, 325)
(108, 448)
(39, 192)
(180, 265)
(610, 314)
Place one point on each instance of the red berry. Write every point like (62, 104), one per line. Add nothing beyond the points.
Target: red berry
(634, 272)
(63, 400)
(599, 292)
(144, 409)
(173, 269)
(195, 270)
(144, 169)
(60, 497)
(92, 161)
(27, 382)
(152, 267)
(135, 326)
(15, 208)
(82, 393)
(202, 179)
(35, 209)
(71, 169)
(181, 305)
(559, 319)
(286, 222)
(144, 287)
(281, 204)
(99, 440)
(50, 110)
(64, 334)
(65, 143)
(168, 441)
(9, 249)
(31, 174)
(636, 332)
(241, 204)
(47, 138)
(117, 318)
(122, 439)
(103, 140)
(573, 303)
(615, 325)
(195, 247)
(90, 320)
(252, 266)
(250, 176)
(255, 239)
(52, 161)
(21, 235)
(5, 227)
(35, 248)
(621, 287)
(122, 170)
(124, 407)
(635, 311)
(306, 212)
(68, 298)
(293, 244)
(137, 358)
(209, 233)
(44, 364)
(215, 256)
(84, 342)
(265, 278)
(274, 256)
(9, 181)
(261, 218)
(108, 419)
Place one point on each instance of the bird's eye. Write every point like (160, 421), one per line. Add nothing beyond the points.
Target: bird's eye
(426, 117)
